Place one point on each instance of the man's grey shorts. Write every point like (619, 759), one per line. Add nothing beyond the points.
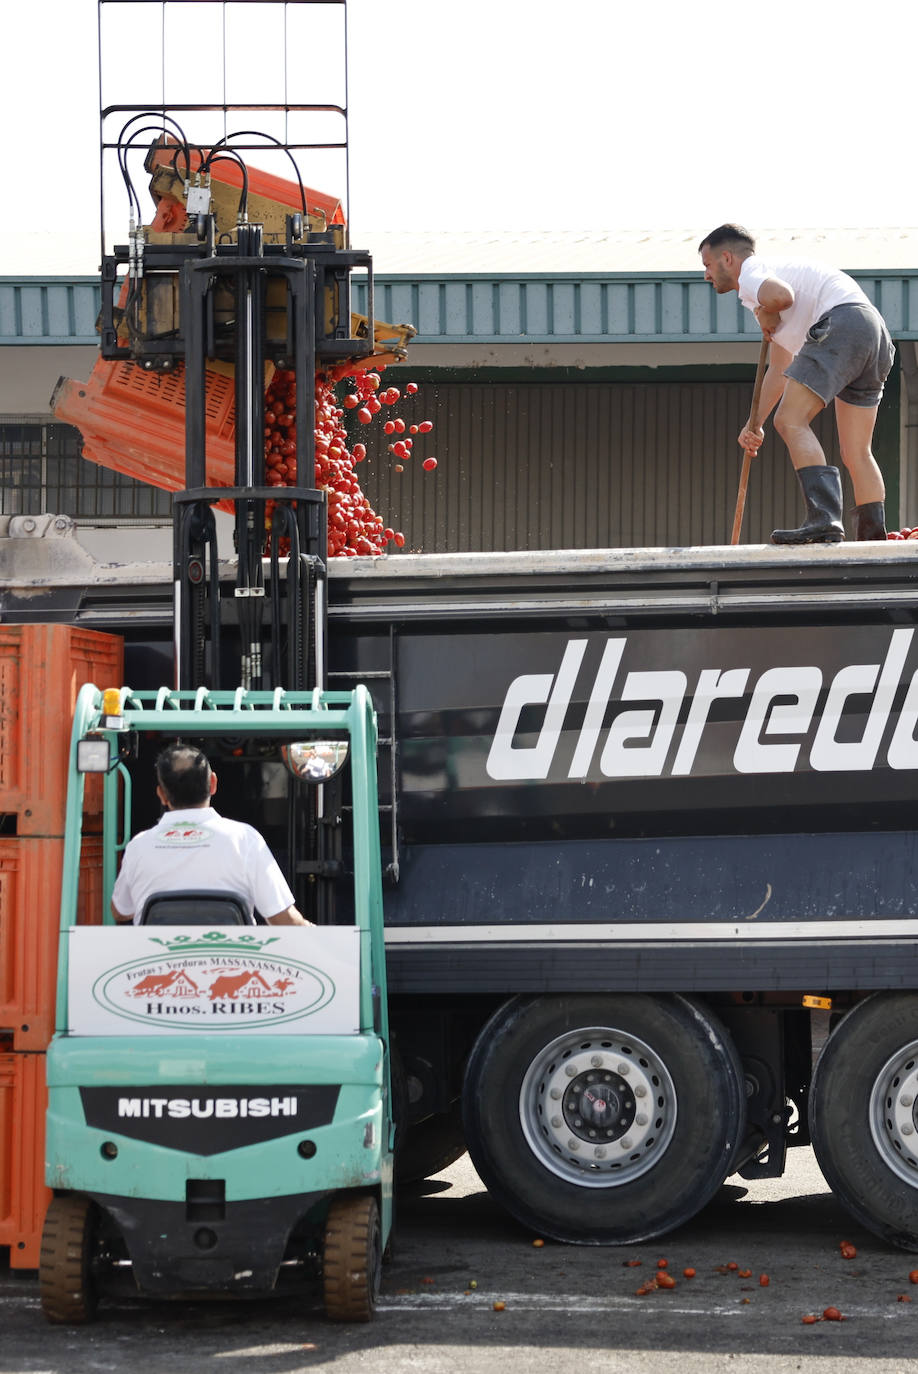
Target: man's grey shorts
(847, 353)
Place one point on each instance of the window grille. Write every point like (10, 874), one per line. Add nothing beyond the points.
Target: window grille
(43, 472)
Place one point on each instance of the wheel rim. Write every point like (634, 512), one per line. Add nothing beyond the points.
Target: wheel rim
(598, 1107)
(894, 1113)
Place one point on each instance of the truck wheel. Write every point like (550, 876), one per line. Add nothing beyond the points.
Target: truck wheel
(68, 1293)
(864, 1115)
(352, 1258)
(603, 1120)
(430, 1146)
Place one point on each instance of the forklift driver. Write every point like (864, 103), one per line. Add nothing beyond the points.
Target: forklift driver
(192, 847)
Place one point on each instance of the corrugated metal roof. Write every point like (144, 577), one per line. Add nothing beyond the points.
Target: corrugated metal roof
(660, 251)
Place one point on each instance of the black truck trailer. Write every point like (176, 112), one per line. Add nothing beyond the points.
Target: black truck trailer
(648, 816)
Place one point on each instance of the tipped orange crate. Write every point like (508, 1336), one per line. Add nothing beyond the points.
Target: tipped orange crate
(23, 1195)
(42, 668)
(133, 421)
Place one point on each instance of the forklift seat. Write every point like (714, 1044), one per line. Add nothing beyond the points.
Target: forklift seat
(195, 908)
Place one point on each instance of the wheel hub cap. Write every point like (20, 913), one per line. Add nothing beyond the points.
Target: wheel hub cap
(597, 1107)
(894, 1113)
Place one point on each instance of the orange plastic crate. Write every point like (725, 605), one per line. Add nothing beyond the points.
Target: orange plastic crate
(30, 892)
(23, 1195)
(133, 421)
(42, 668)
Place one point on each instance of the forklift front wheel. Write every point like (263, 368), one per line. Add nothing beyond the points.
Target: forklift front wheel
(352, 1259)
(68, 1294)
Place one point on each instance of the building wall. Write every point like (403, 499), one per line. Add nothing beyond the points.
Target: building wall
(530, 455)
(541, 462)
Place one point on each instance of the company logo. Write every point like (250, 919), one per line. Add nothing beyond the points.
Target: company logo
(201, 1108)
(182, 836)
(794, 717)
(209, 1120)
(213, 982)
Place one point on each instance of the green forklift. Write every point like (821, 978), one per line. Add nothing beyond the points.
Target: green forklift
(219, 1114)
(219, 1093)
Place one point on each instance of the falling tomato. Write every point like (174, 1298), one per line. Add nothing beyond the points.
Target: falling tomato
(429, 464)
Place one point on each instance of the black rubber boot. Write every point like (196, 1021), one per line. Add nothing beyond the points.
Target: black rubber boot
(870, 520)
(822, 493)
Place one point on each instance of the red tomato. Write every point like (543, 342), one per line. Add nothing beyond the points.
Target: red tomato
(364, 415)
(425, 426)
(411, 388)
(428, 465)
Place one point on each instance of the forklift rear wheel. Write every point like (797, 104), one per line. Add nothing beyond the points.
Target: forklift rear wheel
(603, 1119)
(352, 1259)
(864, 1115)
(66, 1284)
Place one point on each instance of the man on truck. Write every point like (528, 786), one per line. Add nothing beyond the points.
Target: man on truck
(828, 342)
(193, 848)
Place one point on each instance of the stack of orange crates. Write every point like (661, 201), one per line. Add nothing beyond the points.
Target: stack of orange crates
(42, 668)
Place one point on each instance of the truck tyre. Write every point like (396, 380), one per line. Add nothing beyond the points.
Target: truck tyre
(603, 1120)
(352, 1258)
(864, 1115)
(68, 1292)
(430, 1146)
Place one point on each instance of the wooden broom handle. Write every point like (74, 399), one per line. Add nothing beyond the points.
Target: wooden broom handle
(747, 456)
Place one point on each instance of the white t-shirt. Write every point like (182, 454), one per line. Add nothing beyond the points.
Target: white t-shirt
(198, 848)
(816, 289)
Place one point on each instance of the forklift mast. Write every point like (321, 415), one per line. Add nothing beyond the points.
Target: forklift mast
(240, 269)
(231, 269)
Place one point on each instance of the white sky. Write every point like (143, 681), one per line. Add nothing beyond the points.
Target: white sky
(574, 114)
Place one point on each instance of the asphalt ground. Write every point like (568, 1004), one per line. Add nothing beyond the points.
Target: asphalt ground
(564, 1308)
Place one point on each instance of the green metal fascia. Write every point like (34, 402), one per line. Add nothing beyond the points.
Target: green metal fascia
(490, 308)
